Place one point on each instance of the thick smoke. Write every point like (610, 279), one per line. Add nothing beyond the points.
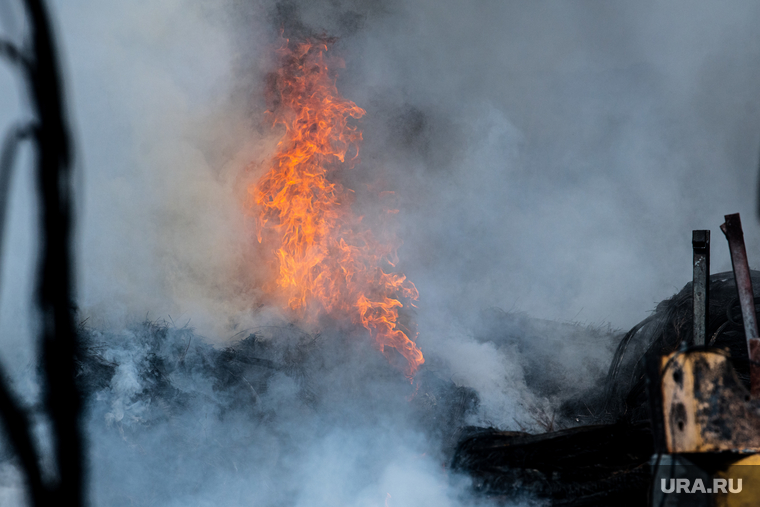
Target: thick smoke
(549, 161)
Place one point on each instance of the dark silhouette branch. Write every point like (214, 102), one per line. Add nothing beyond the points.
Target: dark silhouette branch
(13, 54)
(15, 421)
(7, 158)
(55, 283)
(55, 280)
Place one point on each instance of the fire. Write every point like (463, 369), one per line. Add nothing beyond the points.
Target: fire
(327, 260)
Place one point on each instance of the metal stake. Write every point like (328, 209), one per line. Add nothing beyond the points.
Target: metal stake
(700, 241)
(735, 236)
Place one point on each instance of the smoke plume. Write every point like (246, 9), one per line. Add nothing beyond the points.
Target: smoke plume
(548, 161)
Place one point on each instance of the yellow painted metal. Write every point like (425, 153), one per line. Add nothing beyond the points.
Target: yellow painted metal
(705, 406)
(748, 471)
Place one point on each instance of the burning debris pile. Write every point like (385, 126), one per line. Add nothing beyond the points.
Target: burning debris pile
(163, 397)
(152, 383)
(154, 370)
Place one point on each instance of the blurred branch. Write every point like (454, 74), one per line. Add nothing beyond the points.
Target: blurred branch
(13, 53)
(55, 281)
(55, 287)
(15, 422)
(8, 151)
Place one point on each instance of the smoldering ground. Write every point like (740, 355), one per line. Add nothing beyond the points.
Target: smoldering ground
(546, 158)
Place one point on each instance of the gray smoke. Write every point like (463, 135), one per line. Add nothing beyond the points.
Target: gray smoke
(549, 161)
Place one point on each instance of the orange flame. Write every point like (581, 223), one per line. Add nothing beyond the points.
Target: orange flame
(324, 255)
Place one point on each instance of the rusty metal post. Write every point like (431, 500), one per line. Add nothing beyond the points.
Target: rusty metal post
(732, 228)
(700, 288)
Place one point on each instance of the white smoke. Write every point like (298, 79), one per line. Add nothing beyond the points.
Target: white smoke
(548, 158)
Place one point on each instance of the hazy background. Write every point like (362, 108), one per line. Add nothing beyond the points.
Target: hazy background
(550, 158)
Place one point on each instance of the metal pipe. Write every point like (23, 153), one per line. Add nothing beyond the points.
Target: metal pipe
(732, 228)
(700, 241)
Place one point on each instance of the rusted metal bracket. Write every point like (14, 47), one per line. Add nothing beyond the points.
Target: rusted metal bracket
(732, 228)
(700, 241)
